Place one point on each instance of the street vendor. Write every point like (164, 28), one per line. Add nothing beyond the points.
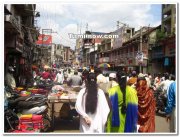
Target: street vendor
(9, 78)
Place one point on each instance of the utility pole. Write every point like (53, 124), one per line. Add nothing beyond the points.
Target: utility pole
(87, 27)
(140, 49)
(117, 25)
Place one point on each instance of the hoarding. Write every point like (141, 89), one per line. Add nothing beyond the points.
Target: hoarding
(44, 40)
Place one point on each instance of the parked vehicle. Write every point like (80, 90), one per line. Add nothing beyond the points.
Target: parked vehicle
(11, 120)
(160, 101)
(35, 104)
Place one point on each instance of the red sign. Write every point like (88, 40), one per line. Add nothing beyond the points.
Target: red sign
(44, 40)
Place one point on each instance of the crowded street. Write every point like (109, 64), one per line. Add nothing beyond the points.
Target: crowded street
(70, 71)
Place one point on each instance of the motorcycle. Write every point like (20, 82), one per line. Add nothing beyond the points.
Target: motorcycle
(36, 104)
(11, 120)
(161, 100)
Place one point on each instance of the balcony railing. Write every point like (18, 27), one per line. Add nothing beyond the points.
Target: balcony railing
(15, 21)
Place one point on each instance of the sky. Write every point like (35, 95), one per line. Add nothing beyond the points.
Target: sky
(65, 18)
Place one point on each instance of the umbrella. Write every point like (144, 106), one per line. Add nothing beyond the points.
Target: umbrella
(104, 65)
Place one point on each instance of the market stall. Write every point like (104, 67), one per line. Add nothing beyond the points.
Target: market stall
(61, 94)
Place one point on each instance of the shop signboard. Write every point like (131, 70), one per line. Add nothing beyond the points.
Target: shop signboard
(44, 40)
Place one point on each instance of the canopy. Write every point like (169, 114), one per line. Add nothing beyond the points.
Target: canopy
(104, 65)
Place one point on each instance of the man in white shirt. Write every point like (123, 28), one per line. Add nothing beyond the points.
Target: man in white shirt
(164, 85)
(59, 78)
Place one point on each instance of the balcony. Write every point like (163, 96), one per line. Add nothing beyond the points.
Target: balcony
(167, 9)
(167, 19)
(13, 23)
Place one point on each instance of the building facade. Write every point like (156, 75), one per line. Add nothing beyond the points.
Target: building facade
(20, 35)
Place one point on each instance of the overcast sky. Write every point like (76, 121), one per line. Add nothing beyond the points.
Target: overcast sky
(66, 18)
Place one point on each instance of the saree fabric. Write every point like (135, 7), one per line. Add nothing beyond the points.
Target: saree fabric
(118, 122)
(146, 107)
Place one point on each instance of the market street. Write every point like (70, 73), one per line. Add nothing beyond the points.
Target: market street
(63, 126)
(91, 68)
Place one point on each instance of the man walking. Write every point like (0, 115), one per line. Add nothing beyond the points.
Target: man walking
(170, 109)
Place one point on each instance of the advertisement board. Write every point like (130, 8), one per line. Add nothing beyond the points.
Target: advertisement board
(44, 40)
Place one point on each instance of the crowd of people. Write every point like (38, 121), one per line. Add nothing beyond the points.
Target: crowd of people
(114, 103)
(130, 105)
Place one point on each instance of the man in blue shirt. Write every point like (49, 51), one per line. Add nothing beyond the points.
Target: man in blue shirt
(170, 108)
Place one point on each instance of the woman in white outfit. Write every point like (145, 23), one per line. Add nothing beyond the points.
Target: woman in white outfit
(92, 106)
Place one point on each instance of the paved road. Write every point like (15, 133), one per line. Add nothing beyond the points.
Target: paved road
(65, 126)
(161, 125)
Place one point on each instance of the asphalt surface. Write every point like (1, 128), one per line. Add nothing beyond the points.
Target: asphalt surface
(63, 125)
(161, 126)
(72, 126)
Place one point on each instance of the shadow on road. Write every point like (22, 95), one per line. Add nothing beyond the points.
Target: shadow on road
(66, 125)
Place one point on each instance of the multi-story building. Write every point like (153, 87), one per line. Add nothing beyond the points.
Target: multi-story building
(109, 48)
(168, 23)
(20, 35)
(139, 43)
(104, 51)
(164, 50)
(89, 49)
(69, 57)
(78, 54)
(59, 53)
(87, 44)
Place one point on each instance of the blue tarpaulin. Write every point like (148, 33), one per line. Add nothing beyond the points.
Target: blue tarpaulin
(166, 62)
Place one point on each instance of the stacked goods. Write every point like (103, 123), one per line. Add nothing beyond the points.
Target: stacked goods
(31, 122)
(19, 89)
(38, 91)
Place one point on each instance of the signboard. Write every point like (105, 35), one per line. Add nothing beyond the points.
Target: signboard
(118, 41)
(139, 56)
(44, 40)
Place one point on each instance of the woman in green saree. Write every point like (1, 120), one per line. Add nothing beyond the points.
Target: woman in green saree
(124, 112)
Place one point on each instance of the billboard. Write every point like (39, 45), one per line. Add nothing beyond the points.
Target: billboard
(44, 40)
(117, 42)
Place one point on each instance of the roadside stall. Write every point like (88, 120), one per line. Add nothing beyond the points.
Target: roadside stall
(62, 95)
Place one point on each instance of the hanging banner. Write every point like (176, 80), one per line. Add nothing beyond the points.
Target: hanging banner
(44, 40)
